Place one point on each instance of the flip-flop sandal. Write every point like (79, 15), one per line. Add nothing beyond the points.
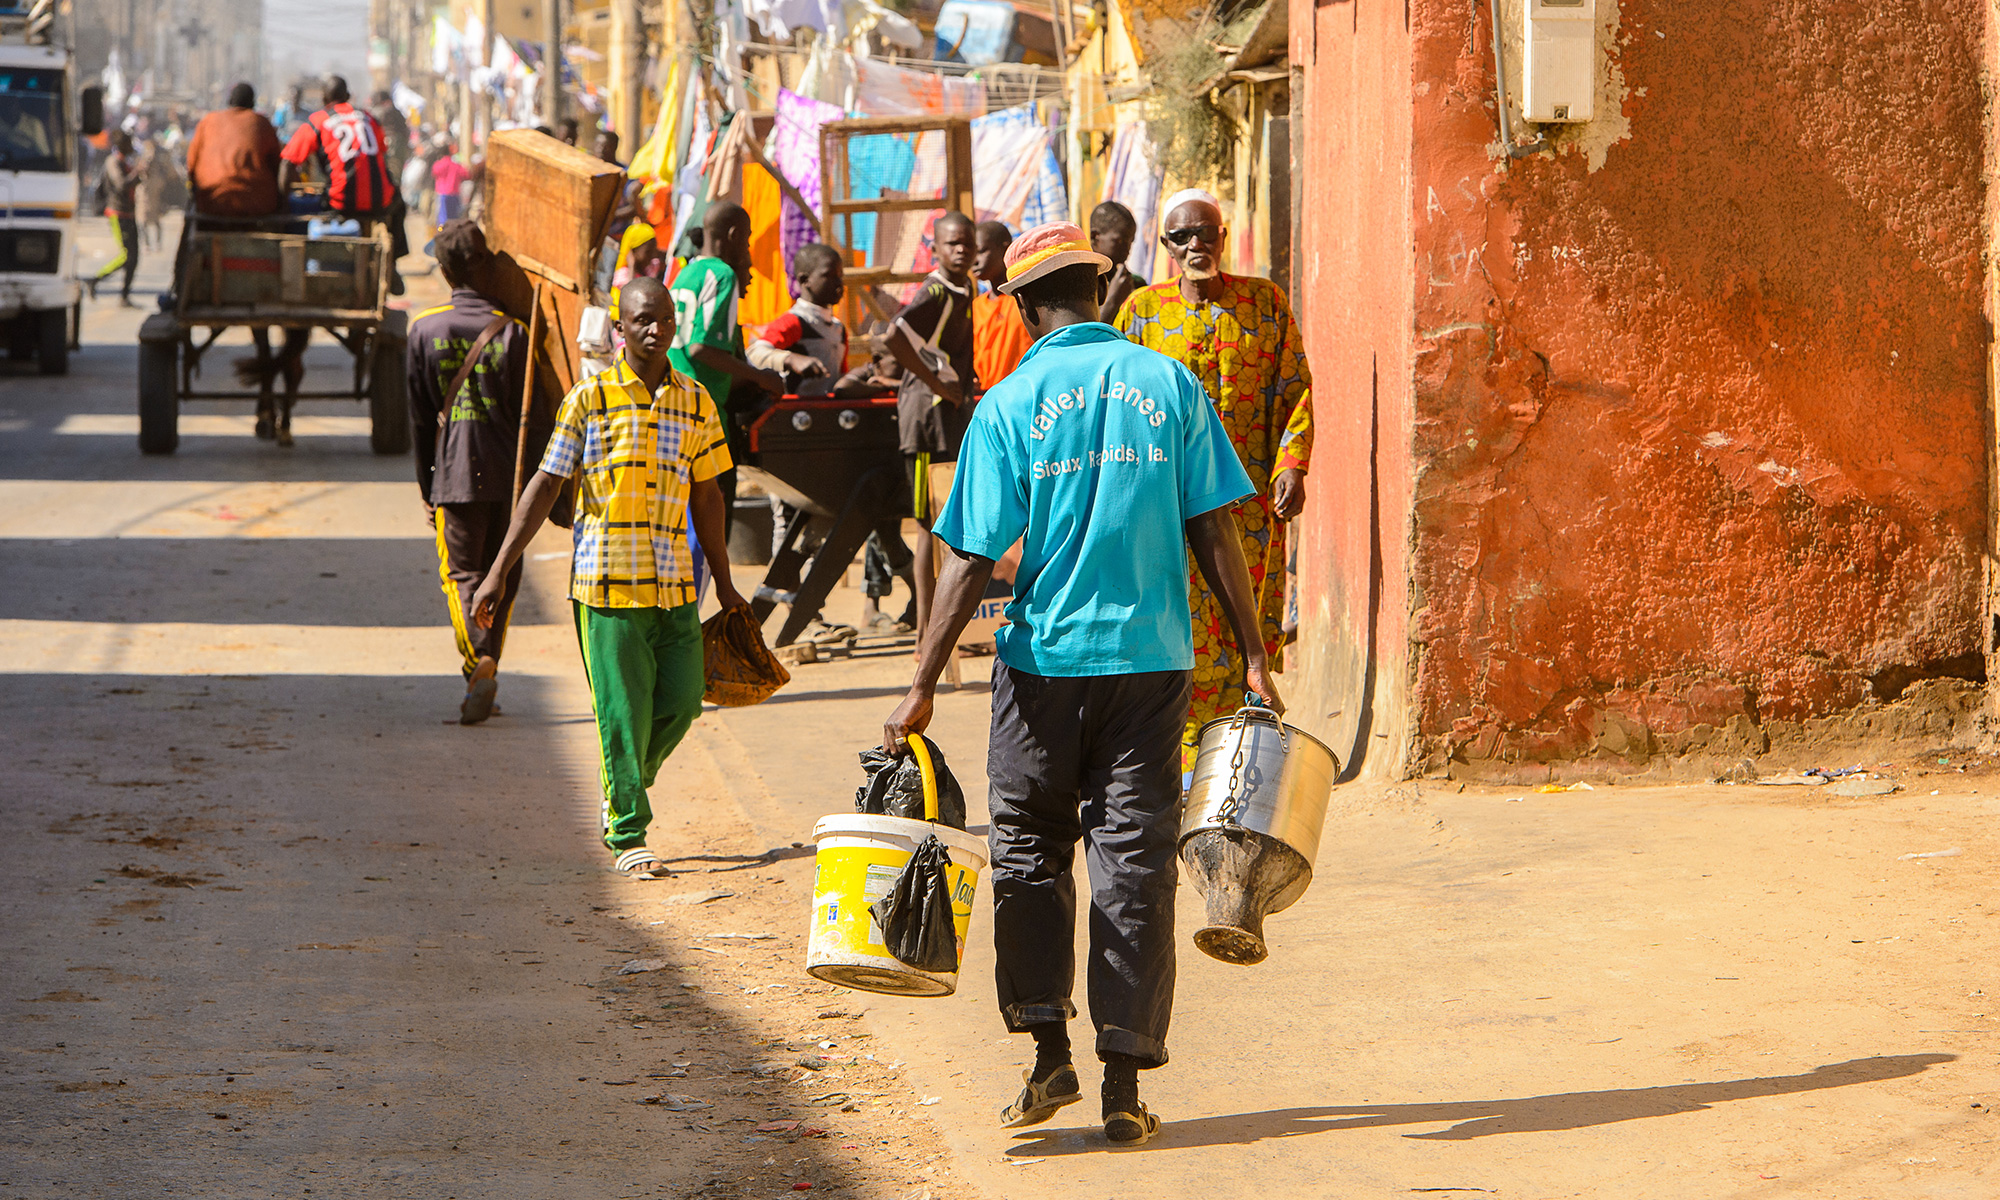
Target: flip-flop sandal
(1131, 1128)
(478, 702)
(1039, 1101)
(641, 863)
(829, 634)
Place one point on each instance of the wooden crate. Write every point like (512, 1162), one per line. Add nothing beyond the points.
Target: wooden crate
(547, 205)
(267, 271)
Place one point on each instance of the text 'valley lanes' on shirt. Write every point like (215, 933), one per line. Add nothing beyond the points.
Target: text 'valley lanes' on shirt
(1093, 454)
(1052, 408)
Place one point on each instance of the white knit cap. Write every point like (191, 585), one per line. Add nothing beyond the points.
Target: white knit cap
(1183, 196)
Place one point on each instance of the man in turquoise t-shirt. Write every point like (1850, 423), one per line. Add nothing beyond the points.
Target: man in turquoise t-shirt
(1108, 463)
(708, 343)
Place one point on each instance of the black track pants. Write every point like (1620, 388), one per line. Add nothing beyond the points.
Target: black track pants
(1095, 758)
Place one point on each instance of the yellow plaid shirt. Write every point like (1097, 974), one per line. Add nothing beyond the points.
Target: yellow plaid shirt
(639, 456)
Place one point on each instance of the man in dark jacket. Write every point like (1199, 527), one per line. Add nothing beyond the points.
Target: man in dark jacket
(466, 443)
(121, 183)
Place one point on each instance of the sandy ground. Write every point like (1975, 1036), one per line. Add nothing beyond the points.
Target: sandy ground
(274, 926)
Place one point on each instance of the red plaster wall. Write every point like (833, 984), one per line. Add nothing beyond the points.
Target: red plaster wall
(1345, 675)
(1697, 437)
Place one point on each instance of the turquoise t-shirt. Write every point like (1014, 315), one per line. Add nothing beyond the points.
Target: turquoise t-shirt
(1094, 454)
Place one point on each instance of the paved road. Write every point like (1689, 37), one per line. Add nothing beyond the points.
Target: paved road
(271, 924)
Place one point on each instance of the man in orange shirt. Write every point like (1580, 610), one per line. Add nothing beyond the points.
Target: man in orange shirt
(232, 160)
(999, 339)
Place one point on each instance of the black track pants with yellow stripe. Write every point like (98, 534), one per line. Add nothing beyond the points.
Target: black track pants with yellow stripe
(468, 541)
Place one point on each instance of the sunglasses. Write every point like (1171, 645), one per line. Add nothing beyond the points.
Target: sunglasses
(1206, 233)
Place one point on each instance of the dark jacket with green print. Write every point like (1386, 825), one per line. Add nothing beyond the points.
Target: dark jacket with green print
(469, 455)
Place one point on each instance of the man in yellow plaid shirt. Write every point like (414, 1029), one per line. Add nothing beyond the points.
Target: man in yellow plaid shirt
(645, 445)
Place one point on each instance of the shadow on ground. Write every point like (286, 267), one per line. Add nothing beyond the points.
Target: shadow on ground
(265, 934)
(1485, 1118)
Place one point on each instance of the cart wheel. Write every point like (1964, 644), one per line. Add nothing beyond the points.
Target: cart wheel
(52, 348)
(388, 390)
(159, 406)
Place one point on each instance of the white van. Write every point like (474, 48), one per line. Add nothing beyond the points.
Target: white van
(42, 114)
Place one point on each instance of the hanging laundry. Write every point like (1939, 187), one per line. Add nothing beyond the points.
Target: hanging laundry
(778, 18)
(876, 166)
(655, 157)
(1133, 180)
(1015, 174)
(884, 90)
(977, 32)
(769, 295)
(794, 150)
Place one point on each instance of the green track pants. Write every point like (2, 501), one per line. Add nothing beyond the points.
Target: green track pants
(646, 681)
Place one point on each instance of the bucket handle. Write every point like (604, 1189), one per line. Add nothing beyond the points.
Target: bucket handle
(1252, 700)
(921, 747)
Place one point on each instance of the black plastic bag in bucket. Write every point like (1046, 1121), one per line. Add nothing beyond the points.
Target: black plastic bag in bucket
(915, 915)
(895, 788)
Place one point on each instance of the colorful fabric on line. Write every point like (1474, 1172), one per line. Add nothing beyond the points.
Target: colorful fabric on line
(1133, 179)
(1246, 351)
(636, 457)
(1015, 172)
(795, 151)
(884, 89)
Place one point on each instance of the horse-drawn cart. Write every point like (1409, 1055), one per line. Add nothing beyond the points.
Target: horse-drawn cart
(260, 273)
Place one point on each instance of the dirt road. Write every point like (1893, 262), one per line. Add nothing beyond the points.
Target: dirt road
(274, 926)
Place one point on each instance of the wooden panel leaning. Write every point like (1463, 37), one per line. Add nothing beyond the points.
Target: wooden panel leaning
(547, 207)
(547, 204)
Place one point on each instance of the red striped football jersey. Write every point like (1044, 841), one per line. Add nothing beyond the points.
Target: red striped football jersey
(349, 140)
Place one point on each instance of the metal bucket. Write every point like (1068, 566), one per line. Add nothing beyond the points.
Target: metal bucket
(1250, 829)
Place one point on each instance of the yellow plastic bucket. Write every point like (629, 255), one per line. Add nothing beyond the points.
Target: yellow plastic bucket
(859, 857)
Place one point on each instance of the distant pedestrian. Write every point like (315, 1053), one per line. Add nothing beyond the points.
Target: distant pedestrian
(645, 445)
(395, 132)
(468, 365)
(606, 147)
(121, 206)
(1109, 465)
(998, 337)
(448, 178)
(932, 339)
(156, 171)
(1111, 232)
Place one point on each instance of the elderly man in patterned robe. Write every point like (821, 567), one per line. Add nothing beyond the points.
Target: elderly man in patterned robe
(1237, 334)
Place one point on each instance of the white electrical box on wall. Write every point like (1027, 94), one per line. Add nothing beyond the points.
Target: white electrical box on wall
(1559, 59)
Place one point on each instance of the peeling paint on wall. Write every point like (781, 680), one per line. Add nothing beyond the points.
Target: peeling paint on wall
(1695, 430)
(1609, 124)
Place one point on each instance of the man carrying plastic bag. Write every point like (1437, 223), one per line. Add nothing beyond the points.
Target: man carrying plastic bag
(1108, 462)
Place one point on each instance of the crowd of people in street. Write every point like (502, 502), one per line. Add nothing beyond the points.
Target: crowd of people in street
(1129, 452)
(1098, 452)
